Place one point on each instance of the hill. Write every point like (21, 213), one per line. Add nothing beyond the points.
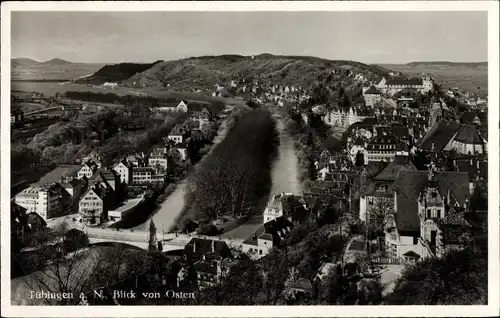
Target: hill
(206, 71)
(56, 61)
(449, 64)
(115, 73)
(22, 62)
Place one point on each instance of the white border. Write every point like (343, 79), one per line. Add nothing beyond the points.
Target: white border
(492, 309)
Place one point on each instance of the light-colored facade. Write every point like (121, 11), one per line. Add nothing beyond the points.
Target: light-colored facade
(124, 171)
(45, 201)
(142, 175)
(159, 162)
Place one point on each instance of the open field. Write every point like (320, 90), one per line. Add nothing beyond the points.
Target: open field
(466, 77)
(53, 72)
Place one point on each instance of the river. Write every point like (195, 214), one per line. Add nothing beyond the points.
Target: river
(285, 178)
(171, 208)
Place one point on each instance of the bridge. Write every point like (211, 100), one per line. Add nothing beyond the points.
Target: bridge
(140, 239)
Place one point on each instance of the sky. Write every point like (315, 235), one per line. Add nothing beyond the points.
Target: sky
(368, 37)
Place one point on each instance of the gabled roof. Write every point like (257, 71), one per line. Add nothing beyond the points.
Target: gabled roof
(468, 134)
(277, 229)
(212, 248)
(439, 136)
(464, 165)
(411, 254)
(392, 171)
(410, 184)
(372, 91)
(468, 117)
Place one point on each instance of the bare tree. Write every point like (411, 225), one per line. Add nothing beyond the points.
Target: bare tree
(59, 270)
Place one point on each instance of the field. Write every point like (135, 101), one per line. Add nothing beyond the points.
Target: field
(466, 77)
(53, 72)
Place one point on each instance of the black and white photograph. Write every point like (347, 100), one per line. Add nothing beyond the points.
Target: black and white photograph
(225, 156)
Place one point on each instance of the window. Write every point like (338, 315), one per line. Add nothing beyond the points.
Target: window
(438, 214)
(415, 240)
(428, 213)
(260, 252)
(370, 200)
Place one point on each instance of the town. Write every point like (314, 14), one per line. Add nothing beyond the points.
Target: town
(392, 175)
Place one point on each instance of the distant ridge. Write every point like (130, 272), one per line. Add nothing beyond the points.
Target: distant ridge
(56, 61)
(27, 61)
(446, 63)
(22, 61)
(115, 73)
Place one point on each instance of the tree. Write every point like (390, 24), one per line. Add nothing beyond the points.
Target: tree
(152, 241)
(275, 277)
(459, 278)
(380, 214)
(246, 278)
(55, 271)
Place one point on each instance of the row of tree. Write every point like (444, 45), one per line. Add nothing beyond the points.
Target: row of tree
(237, 172)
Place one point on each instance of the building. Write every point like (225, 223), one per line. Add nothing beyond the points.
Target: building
(423, 202)
(88, 169)
(447, 136)
(269, 235)
(16, 116)
(345, 117)
(372, 96)
(95, 204)
(159, 162)
(182, 106)
(75, 188)
(124, 171)
(47, 201)
(111, 85)
(177, 135)
(142, 175)
(381, 186)
(210, 260)
(394, 85)
(384, 148)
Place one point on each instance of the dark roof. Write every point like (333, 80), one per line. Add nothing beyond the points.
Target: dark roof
(205, 267)
(392, 171)
(401, 81)
(372, 90)
(468, 117)
(278, 228)
(468, 134)
(210, 248)
(252, 240)
(142, 169)
(302, 284)
(439, 136)
(359, 142)
(411, 254)
(474, 167)
(409, 186)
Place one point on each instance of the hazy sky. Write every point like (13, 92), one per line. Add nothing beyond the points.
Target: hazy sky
(369, 37)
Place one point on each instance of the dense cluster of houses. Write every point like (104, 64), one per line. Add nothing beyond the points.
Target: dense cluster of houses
(93, 191)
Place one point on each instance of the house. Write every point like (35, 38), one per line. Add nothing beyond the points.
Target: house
(422, 202)
(359, 149)
(22, 224)
(124, 170)
(324, 271)
(447, 136)
(87, 169)
(269, 235)
(159, 162)
(107, 178)
(372, 96)
(176, 135)
(476, 168)
(75, 188)
(47, 201)
(380, 187)
(394, 85)
(16, 116)
(95, 204)
(182, 106)
(210, 259)
(384, 148)
(182, 149)
(142, 175)
(111, 85)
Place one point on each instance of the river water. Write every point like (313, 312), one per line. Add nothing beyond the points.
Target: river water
(284, 179)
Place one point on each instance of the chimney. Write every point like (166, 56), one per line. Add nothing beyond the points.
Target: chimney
(477, 165)
(213, 246)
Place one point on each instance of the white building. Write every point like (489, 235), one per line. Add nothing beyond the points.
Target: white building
(124, 170)
(45, 201)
